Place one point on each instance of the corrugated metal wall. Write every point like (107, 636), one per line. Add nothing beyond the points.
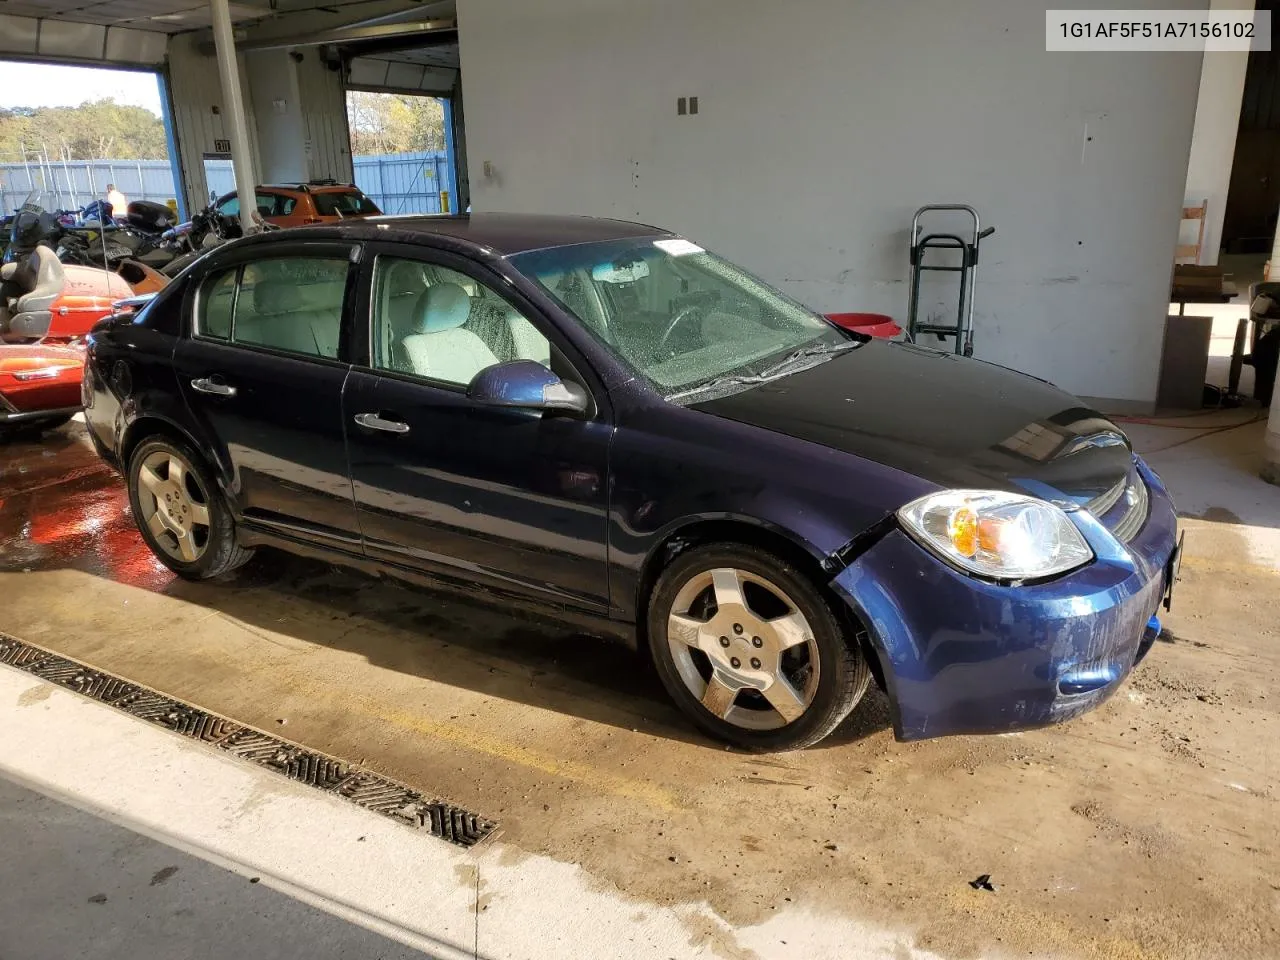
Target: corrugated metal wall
(198, 118)
(324, 113)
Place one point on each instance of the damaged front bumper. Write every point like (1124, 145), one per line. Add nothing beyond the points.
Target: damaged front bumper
(963, 655)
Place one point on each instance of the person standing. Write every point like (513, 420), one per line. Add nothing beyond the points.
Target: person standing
(119, 205)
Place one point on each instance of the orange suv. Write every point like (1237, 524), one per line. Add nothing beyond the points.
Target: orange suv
(299, 204)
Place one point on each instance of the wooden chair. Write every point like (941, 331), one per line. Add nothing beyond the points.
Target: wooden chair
(1190, 252)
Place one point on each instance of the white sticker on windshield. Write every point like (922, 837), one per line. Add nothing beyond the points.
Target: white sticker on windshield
(678, 247)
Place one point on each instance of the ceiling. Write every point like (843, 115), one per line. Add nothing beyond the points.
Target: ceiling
(176, 16)
(166, 16)
(445, 55)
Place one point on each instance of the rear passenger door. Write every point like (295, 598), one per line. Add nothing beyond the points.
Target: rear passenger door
(262, 371)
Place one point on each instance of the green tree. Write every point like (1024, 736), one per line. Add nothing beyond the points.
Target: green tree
(394, 123)
(95, 130)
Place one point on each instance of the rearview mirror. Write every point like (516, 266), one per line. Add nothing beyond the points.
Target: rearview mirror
(527, 385)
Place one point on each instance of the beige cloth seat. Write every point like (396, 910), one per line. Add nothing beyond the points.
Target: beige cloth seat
(276, 320)
(442, 349)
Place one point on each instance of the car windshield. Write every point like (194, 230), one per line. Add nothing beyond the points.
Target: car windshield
(684, 319)
(349, 203)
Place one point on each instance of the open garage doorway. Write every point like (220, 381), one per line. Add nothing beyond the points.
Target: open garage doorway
(404, 113)
(75, 131)
(400, 151)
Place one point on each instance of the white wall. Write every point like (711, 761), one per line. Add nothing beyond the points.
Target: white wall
(198, 118)
(1213, 141)
(277, 116)
(307, 140)
(823, 124)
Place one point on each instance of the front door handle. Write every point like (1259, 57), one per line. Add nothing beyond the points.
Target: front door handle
(375, 422)
(205, 385)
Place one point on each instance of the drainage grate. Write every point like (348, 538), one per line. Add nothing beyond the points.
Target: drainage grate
(369, 790)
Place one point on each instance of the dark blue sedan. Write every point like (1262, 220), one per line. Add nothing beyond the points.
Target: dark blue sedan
(605, 421)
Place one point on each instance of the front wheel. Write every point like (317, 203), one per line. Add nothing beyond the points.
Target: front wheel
(180, 512)
(751, 650)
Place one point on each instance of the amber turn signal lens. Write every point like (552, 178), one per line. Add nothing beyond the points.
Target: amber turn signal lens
(962, 529)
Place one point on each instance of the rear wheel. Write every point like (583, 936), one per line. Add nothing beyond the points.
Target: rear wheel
(751, 650)
(180, 513)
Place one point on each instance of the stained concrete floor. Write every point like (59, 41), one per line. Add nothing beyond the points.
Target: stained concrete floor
(1145, 829)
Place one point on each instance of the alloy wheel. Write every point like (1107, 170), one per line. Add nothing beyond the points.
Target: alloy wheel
(743, 648)
(174, 506)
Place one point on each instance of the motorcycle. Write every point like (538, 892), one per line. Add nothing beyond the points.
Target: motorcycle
(206, 230)
(44, 300)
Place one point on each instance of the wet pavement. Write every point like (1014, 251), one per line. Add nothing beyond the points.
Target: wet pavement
(1144, 829)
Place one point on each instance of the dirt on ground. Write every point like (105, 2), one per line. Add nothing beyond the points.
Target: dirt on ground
(1148, 828)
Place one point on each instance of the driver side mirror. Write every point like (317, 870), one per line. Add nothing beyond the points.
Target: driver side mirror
(527, 385)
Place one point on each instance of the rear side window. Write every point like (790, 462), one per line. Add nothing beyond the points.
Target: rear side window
(351, 203)
(292, 304)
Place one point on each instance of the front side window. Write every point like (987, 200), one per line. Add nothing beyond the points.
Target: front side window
(288, 303)
(679, 316)
(439, 324)
(230, 207)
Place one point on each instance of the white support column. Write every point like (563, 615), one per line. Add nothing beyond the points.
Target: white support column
(228, 68)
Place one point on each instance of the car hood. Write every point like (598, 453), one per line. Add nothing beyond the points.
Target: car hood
(950, 420)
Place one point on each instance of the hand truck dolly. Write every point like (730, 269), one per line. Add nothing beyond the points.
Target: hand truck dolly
(967, 244)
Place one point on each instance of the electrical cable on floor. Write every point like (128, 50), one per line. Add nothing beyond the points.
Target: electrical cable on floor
(1210, 431)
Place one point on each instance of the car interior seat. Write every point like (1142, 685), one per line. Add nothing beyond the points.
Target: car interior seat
(442, 349)
(402, 291)
(282, 319)
(28, 290)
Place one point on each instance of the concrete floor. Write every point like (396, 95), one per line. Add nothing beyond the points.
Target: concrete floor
(71, 880)
(1145, 829)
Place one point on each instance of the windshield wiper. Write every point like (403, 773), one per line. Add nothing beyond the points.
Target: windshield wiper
(718, 382)
(824, 349)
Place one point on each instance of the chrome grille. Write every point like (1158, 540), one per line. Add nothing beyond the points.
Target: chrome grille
(1138, 503)
(1123, 509)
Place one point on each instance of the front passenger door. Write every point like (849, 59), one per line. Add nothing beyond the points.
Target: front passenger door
(512, 499)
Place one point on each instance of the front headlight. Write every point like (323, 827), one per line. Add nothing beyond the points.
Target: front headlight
(1004, 536)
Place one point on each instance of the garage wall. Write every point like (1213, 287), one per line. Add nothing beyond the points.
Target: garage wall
(282, 137)
(324, 117)
(303, 139)
(823, 124)
(198, 118)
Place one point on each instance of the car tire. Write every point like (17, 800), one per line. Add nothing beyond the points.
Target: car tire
(726, 672)
(190, 507)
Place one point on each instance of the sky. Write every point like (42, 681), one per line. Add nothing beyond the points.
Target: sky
(47, 85)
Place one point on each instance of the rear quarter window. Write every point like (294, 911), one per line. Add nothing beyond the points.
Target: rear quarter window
(350, 203)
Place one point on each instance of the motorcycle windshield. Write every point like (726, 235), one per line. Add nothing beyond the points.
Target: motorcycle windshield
(34, 224)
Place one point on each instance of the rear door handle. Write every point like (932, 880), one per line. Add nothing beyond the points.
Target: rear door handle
(205, 385)
(375, 422)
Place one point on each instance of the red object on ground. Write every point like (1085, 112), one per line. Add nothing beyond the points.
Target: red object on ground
(872, 324)
(39, 378)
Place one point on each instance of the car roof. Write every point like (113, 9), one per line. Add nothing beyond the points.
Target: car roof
(502, 233)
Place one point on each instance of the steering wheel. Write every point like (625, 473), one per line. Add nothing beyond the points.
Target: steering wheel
(683, 314)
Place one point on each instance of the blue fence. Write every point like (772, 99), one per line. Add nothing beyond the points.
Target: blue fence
(397, 182)
(73, 184)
